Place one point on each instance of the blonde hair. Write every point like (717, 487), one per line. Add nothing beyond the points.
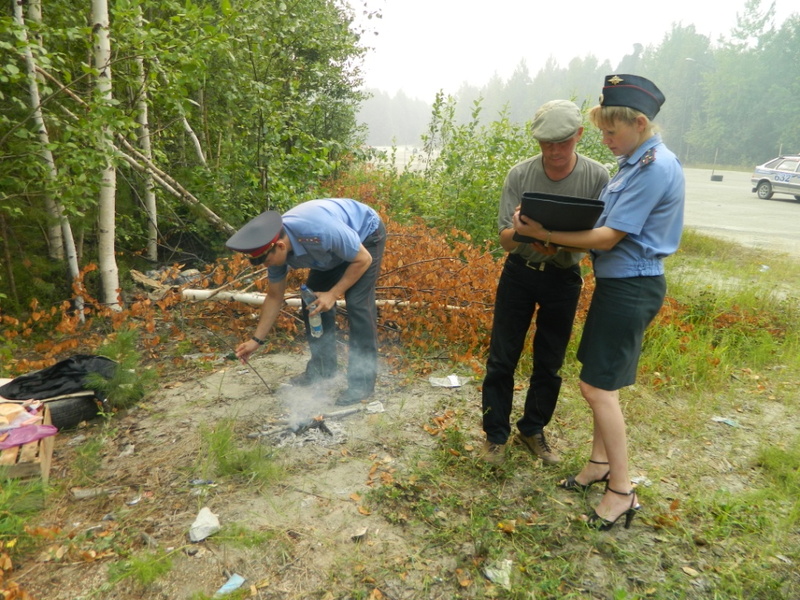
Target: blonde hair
(604, 116)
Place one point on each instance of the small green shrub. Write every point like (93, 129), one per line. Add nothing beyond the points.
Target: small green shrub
(130, 381)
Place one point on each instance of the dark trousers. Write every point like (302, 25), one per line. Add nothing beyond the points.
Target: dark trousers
(362, 316)
(552, 294)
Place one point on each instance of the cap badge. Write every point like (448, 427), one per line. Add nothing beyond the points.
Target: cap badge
(616, 80)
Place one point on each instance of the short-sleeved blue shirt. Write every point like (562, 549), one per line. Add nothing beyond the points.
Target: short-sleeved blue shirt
(325, 233)
(645, 200)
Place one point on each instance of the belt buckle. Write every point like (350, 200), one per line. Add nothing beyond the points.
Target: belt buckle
(535, 266)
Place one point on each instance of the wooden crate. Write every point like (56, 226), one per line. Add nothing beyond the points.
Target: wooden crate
(31, 460)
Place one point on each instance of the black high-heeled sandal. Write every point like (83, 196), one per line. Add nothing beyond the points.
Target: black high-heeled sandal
(570, 482)
(597, 522)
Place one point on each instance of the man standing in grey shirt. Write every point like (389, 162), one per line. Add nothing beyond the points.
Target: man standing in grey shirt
(547, 285)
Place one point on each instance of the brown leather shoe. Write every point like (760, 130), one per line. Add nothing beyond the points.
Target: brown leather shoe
(493, 454)
(537, 445)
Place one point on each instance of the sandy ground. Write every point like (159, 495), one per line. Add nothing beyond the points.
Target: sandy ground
(152, 455)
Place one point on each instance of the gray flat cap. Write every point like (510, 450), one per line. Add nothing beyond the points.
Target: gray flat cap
(258, 235)
(556, 121)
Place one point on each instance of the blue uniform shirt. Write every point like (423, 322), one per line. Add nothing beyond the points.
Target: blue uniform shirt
(645, 200)
(325, 233)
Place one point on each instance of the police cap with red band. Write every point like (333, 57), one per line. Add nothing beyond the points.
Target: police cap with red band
(259, 235)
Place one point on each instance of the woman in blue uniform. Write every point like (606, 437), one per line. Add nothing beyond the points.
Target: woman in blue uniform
(641, 225)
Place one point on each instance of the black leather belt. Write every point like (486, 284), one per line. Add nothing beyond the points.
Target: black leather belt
(536, 266)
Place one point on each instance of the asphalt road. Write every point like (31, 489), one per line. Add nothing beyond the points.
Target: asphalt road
(729, 210)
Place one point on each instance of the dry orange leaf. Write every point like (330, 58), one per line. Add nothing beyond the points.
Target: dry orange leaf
(88, 555)
(464, 580)
(509, 526)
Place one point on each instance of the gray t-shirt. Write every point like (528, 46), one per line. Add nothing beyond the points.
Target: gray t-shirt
(587, 180)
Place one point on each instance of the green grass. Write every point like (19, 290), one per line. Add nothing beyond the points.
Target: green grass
(730, 538)
(239, 536)
(88, 458)
(223, 456)
(19, 502)
(144, 568)
(709, 427)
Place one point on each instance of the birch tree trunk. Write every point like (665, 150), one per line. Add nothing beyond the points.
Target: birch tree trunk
(63, 229)
(55, 241)
(109, 274)
(150, 206)
(195, 140)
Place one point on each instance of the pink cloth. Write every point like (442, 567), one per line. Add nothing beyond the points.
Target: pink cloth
(27, 433)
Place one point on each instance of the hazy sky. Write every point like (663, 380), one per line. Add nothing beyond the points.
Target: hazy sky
(423, 46)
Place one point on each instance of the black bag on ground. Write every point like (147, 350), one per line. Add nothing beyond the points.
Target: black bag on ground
(68, 377)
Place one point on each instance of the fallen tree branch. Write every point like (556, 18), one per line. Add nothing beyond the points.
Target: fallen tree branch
(257, 299)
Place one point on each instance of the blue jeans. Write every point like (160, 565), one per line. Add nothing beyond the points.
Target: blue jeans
(362, 316)
(552, 295)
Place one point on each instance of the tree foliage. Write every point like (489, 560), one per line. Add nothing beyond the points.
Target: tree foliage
(733, 100)
(457, 182)
(268, 89)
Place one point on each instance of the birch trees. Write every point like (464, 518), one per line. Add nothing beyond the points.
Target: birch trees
(60, 240)
(109, 275)
(150, 207)
(213, 114)
(56, 242)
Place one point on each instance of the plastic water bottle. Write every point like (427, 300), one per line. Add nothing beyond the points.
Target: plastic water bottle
(315, 321)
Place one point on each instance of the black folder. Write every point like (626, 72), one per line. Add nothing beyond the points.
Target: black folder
(559, 213)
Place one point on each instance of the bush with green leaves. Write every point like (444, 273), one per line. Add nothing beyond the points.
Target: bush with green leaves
(458, 180)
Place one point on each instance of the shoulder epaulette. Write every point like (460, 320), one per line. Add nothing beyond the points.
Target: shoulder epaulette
(310, 239)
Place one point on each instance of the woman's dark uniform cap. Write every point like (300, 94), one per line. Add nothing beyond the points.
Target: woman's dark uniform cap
(258, 236)
(634, 92)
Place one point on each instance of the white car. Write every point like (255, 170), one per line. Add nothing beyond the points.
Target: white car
(779, 176)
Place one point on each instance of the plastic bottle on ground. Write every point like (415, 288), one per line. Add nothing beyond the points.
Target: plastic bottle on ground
(314, 322)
